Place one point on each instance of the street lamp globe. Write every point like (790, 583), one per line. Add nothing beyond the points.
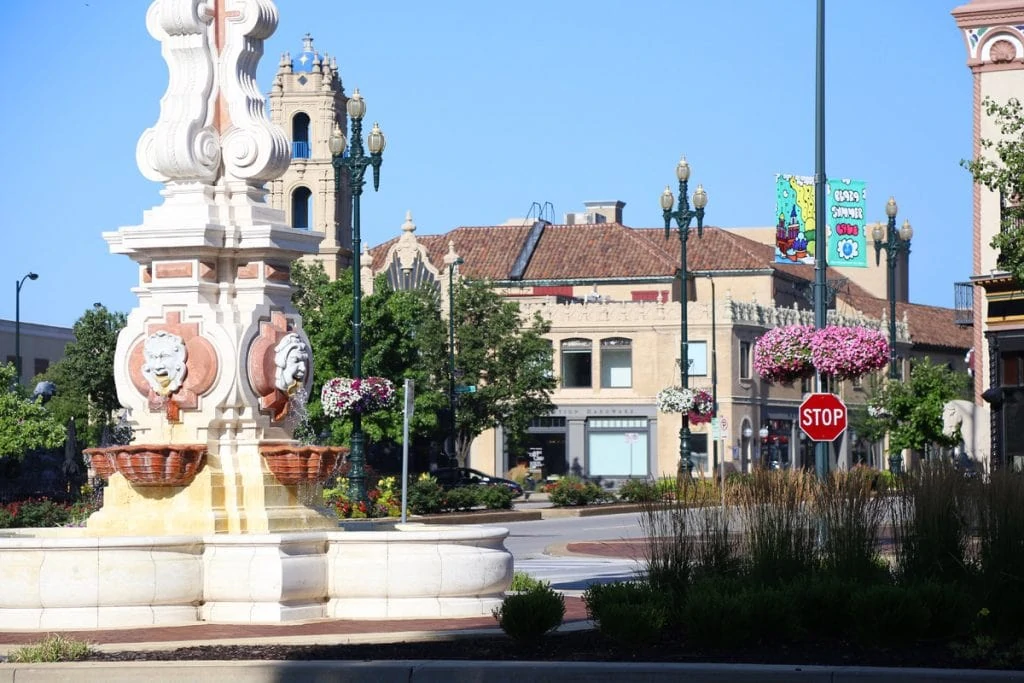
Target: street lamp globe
(375, 141)
(763, 432)
(667, 200)
(890, 207)
(683, 170)
(337, 141)
(356, 106)
(700, 198)
(877, 231)
(906, 231)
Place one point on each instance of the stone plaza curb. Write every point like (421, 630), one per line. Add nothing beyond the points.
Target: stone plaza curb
(420, 671)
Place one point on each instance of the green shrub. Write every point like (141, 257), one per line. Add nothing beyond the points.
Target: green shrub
(716, 614)
(53, 648)
(526, 617)
(951, 608)
(495, 497)
(41, 512)
(772, 610)
(630, 613)
(824, 604)
(573, 491)
(7, 518)
(461, 498)
(521, 581)
(887, 615)
(638, 491)
(425, 496)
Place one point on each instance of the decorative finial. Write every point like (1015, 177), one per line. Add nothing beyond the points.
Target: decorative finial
(307, 43)
(408, 225)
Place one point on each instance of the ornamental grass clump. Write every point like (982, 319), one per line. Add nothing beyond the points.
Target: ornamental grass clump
(783, 354)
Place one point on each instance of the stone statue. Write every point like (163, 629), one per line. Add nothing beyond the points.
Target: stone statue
(164, 366)
(291, 361)
(958, 416)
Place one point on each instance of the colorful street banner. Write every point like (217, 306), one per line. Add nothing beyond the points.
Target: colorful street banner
(844, 210)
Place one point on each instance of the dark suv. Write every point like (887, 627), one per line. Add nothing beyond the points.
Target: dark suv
(454, 477)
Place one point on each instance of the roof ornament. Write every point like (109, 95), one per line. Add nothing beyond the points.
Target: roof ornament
(307, 43)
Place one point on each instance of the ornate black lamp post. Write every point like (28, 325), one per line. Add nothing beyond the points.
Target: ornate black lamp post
(894, 243)
(684, 216)
(458, 261)
(355, 163)
(17, 320)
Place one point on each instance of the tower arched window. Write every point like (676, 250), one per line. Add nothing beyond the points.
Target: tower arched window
(302, 208)
(300, 136)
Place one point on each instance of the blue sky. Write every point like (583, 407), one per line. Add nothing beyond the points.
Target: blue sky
(489, 107)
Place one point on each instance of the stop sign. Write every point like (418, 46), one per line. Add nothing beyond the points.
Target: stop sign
(823, 417)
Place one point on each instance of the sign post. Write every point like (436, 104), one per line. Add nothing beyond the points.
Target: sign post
(823, 417)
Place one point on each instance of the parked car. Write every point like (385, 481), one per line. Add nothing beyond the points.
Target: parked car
(454, 477)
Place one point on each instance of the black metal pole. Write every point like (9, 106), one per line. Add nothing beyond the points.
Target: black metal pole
(714, 372)
(821, 448)
(17, 328)
(355, 163)
(452, 459)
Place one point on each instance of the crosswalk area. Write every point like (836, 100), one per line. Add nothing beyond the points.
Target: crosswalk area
(569, 574)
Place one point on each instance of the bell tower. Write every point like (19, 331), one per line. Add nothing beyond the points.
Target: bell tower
(307, 100)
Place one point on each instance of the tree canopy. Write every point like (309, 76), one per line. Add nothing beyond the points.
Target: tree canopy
(912, 411)
(25, 425)
(404, 336)
(85, 376)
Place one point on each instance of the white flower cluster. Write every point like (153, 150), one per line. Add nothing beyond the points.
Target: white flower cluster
(680, 400)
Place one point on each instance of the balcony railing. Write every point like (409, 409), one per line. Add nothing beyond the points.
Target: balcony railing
(963, 306)
(300, 150)
(1011, 216)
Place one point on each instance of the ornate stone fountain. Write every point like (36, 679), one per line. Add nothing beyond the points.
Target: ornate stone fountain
(204, 515)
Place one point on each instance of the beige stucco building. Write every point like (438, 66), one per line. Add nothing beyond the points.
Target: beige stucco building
(611, 293)
(994, 38)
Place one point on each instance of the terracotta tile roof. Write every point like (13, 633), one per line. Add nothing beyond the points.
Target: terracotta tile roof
(612, 251)
(717, 249)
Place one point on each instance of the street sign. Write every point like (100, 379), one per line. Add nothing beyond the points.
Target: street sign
(467, 389)
(716, 428)
(823, 417)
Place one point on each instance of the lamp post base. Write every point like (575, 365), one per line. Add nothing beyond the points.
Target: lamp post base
(896, 464)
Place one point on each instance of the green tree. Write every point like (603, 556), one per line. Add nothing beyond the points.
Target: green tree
(1000, 168)
(509, 361)
(913, 410)
(85, 376)
(25, 425)
(399, 339)
(404, 336)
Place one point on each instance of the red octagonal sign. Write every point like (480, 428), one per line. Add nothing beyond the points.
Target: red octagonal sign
(823, 417)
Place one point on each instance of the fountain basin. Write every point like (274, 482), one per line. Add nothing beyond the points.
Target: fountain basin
(149, 464)
(297, 464)
(63, 579)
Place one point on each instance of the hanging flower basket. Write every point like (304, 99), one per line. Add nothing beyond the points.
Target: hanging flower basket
(343, 397)
(783, 354)
(847, 352)
(696, 403)
(788, 353)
